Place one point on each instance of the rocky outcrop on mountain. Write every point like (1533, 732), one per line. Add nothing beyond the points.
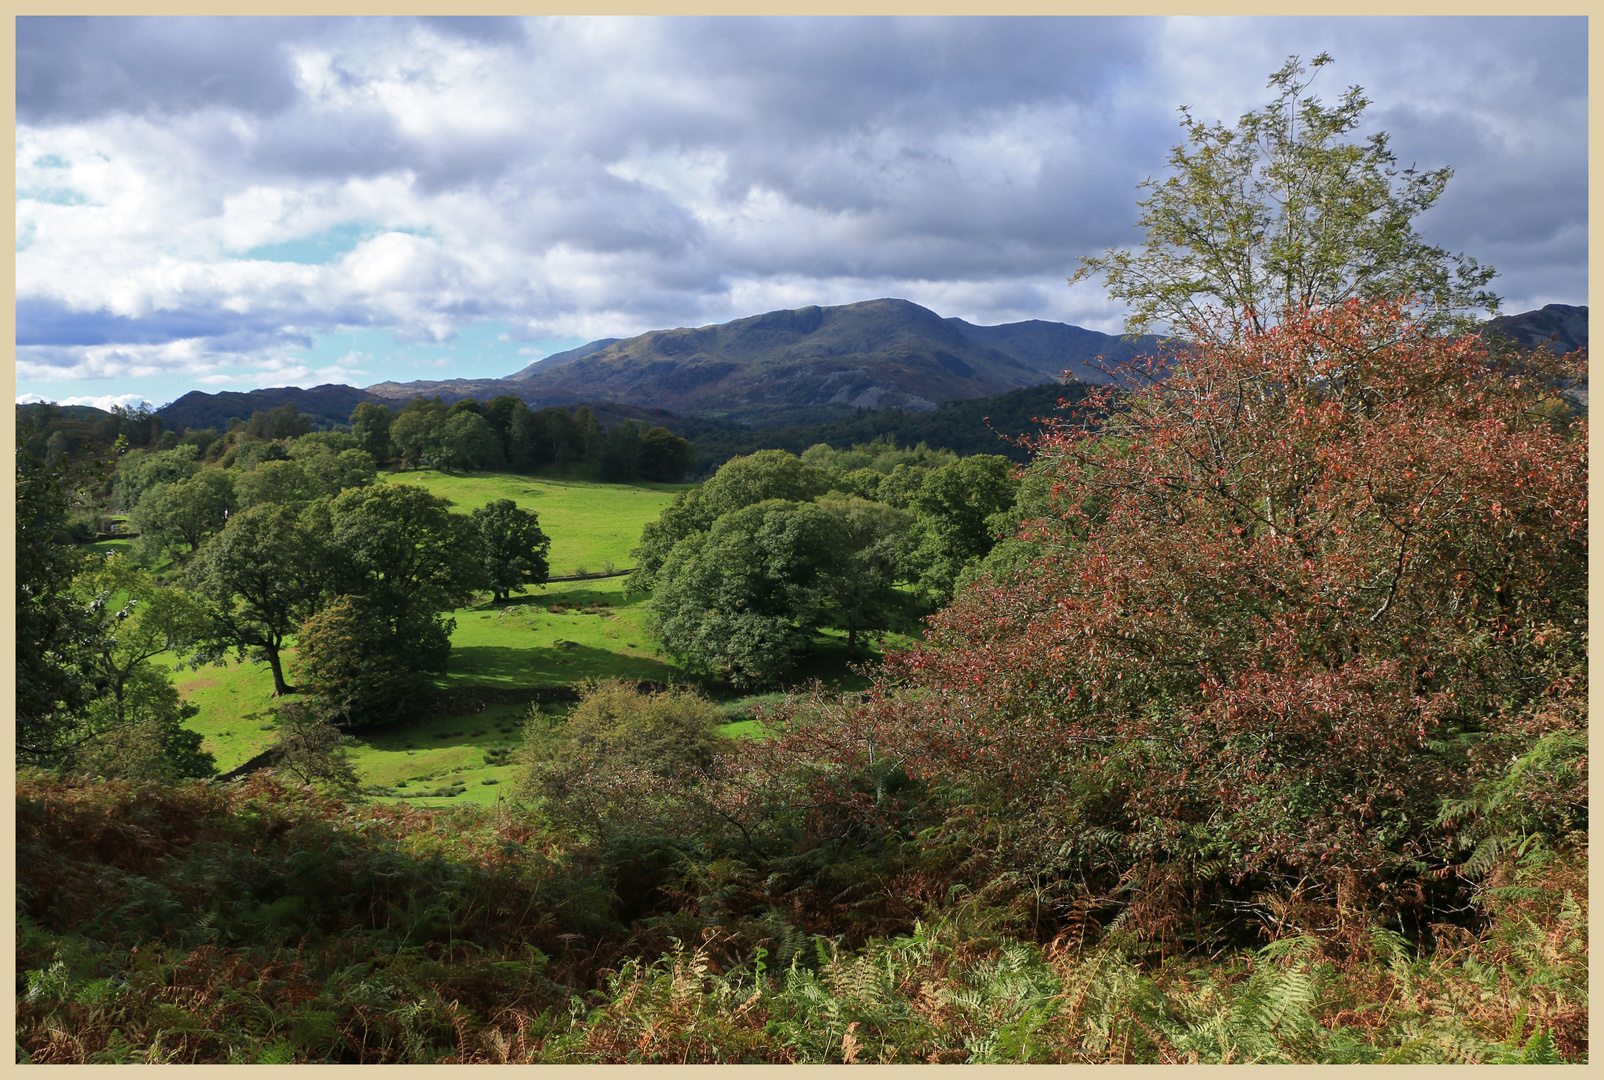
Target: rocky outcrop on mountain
(1559, 327)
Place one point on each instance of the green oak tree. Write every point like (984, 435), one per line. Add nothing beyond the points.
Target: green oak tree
(742, 599)
(263, 574)
(867, 547)
(513, 547)
(740, 482)
(370, 424)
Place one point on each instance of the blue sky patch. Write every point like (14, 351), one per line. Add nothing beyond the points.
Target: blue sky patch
(323, 247)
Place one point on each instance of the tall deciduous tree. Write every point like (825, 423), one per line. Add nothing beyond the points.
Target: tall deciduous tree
(135, 708)
(370, 423)
(867, 548)
(1284, 211)
(56, 631)
(404, 550)
(742, 599)
(264, 574)
(954, 505)
(513, 547)
(739, 482)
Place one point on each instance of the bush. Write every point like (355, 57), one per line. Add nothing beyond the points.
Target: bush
(622, 758)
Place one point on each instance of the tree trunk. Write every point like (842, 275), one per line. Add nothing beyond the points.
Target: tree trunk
(280, 687)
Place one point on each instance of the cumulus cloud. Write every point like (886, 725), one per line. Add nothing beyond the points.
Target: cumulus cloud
(104, 402)
(208, 198)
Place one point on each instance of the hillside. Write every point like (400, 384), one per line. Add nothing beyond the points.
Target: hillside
(327, 405)
(811, 364)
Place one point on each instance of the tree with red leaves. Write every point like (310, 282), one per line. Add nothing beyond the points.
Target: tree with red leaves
(1314, 583)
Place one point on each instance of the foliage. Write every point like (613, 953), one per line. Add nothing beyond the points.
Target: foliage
(619, 755)
(513, 549)
(139, 734)
(868, 545)
(993, 425)
(177, 516)
(263, 574)
(370, 425)
(138, 470)
(742, 599)
(1283, 212)
(56, 633)
(253, 921)
(467, 442)
(955, 505)
(1323, 579)
(153, 619)
(741, 482)
(403, 551)
(311, 748)
(366, 666)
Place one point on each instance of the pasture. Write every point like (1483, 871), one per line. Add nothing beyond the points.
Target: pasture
(563, 632)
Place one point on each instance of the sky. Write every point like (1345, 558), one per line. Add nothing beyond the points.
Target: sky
(235, 203)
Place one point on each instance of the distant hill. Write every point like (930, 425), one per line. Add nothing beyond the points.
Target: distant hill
(546, 363)
(328, 405)
(823, 361)
(1560, 327)
(798, 368)
(1053, 348)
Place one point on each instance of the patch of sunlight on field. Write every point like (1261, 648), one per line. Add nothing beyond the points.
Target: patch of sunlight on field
(591, 524)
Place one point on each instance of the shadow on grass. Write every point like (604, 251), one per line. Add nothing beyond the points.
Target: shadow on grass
(509, 666)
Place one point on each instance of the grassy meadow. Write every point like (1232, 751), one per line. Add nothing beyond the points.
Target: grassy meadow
(562, 632)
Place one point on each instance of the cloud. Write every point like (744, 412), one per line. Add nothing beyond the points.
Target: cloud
(201, 198)
(104, 402)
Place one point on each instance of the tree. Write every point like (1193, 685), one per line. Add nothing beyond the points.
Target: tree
(955, 505)
(365, 668)
(467, 442)
(138, 470)
(277, 483)
(184, 513)
(403, 550)
(513, 547)
(370, 423)
(621, 452)
(311, 748)
(620, 755)
(415, 432)
(1322, 580)
(665, 458)
(264, 574)
(56, 632)
(133, 725)
(739, 482)
(742, 599)
(868, 545)
(140, 735)
(1282, 212)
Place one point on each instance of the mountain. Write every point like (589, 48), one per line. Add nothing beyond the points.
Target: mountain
(1560, 327)
(546, 363)
(327, 405)
(1052, 348)
(816, 362)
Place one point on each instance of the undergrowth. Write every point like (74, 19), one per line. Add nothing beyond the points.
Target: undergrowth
(256, 922)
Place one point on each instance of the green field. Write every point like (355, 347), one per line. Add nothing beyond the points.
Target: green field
(591, 525)
(558, 633)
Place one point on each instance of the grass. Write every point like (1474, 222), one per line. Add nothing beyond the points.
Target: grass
(563, 632)
(590, 524)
